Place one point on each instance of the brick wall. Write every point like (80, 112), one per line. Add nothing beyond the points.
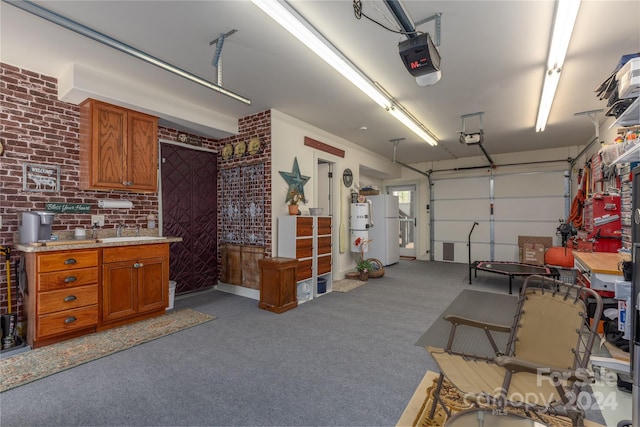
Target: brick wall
(35, 127)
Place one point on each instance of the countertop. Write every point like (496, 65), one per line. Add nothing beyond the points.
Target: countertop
(65, 245)
(602, 262)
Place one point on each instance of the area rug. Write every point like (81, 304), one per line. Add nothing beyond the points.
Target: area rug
(416, 414)
(346, 285)
(33, 365)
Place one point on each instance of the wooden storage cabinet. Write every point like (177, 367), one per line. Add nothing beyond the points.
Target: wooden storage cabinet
(118, 148)
(308, 239)
(62, 298)
(240, 265)
(135, 282)
(278, 284)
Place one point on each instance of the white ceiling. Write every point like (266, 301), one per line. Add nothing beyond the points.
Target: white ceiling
(493, 56)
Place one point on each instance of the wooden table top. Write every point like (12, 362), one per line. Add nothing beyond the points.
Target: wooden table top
(602, 262)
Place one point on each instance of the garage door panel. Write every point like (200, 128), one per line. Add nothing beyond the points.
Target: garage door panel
(522, 209)
(458, 231)
(461, 209)
(461, 188)
(508, 232)
(506, 253)
(531, 184)
(479, 252)
(524, 204)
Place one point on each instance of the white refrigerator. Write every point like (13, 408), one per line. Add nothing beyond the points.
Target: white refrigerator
(385, 231)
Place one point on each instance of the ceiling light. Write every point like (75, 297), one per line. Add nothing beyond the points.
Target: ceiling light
(411, 124)
(289, 19)
(565, 19)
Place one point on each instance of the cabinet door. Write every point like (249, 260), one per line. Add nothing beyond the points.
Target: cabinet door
(153, 284)
(324, 226)
(119, 299)
(231, 267)
(304, 227)
(250, 267)
(109, 127)
(141, 152)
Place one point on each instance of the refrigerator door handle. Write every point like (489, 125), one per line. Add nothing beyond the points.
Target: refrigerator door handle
(371, 224)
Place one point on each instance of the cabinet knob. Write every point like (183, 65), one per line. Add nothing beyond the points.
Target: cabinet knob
(127, 183)
(70, 298)
(70, 279)
(138, 265)
(70, 319)
(70, 261)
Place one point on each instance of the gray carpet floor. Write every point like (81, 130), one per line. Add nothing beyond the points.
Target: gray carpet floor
(345, 359)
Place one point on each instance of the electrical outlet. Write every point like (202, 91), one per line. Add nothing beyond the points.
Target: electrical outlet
(99, 219)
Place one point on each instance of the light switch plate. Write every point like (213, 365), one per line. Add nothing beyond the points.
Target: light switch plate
(97, 219)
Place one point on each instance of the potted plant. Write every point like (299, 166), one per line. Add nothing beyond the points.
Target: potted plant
(294, 197)
(364, 266)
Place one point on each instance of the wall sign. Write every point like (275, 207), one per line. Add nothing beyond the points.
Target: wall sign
(68, 207)
(40, 177)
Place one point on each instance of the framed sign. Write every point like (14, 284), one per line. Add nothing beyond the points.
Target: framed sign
(40, 177)
(68, 207)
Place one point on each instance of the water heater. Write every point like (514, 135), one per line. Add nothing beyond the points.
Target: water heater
(360, 221)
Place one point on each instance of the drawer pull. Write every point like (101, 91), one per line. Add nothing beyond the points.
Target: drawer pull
(127, 183)
(70, 279)
(138, 265)
(70, 298)
(70, 319)
(70, 261)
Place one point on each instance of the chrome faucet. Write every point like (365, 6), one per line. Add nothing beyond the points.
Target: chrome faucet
(119, 228)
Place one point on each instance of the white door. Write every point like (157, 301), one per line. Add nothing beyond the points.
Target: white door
(408, 221)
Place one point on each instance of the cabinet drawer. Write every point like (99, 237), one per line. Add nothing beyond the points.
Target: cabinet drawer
(67, 321)
(67, 279)
(304, 248)
(67, 299)
(324, 264)
(324, 245)
(304, 269)
(134, 252)
(67, 260)
(304, 227)
(324, 225)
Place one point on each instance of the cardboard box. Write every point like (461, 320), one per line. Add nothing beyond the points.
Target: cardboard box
(533, 254)
(532, 248)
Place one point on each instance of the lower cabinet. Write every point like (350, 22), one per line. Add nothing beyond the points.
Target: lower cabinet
(62, 296)
(76, 292)
(135, 282)
(240, 265)
(278, 284)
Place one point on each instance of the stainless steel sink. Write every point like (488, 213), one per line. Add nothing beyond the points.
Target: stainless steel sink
(132, 239)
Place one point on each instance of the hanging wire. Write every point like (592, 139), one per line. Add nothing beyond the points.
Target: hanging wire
(357, 10)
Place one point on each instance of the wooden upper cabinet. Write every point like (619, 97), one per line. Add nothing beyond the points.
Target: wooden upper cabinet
(118, 148)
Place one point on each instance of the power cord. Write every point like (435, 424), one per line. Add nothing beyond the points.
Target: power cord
(357, 10)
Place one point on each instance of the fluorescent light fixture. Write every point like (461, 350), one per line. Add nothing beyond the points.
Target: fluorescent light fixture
(411, 124)
(289, 19)
(565, 19)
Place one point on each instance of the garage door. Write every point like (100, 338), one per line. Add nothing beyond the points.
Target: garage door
(528, 204)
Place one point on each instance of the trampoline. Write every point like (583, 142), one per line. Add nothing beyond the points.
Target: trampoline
(512, 269)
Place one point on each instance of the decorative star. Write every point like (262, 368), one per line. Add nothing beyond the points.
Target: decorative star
(295, 180)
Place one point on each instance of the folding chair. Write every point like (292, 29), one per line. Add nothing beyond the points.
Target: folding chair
(545, 363)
